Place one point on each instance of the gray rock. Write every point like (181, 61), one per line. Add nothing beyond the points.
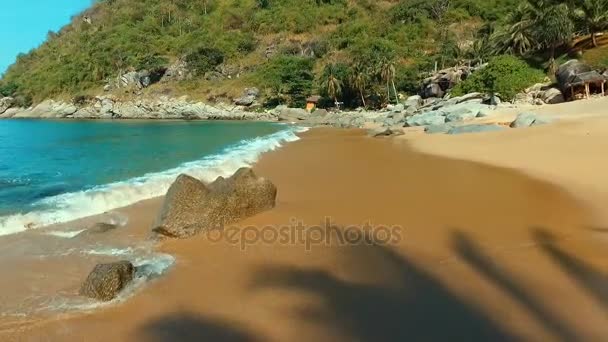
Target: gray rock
(540, 120)
(249, 96)
(524, 120)
(99, 228)
(293, 114)
(553, 96)
(433, 90)
(177, 71)
(414, 102)
(107, 280)
(5, 103)
(461, 113)
(475, 129)
(436, 129)
(381, 132)
(134, 79)
(398, 108)
(426, 119)
(477, 97)
(191, 206)
(245, 101)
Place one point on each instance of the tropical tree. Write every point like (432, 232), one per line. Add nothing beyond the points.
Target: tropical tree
(517, 35)
(387, 74)
(359, 79)
(553, 25)
(332, 84)
(593, 14)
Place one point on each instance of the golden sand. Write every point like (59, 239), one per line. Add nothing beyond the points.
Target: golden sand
(484, 253)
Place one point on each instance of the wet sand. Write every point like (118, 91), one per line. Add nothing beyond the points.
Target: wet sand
(484, 253)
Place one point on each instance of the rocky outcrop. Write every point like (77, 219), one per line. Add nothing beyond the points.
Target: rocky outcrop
(163, 107)
(441, 81)
(107, 280)
(5, 103)
(291, 114)
(177, 72)
(191, 206)
(249, 96)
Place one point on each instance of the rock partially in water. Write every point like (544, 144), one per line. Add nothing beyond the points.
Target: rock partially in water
(99, 228)
(107, 280)
(191, 206)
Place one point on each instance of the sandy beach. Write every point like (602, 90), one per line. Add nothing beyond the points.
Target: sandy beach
(481, 252)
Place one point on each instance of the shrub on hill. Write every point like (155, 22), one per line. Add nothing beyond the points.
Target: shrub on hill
(505, 75)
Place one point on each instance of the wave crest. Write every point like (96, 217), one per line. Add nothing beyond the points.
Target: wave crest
(77, 205)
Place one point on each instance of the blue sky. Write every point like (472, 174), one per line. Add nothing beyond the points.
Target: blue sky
(24, 24)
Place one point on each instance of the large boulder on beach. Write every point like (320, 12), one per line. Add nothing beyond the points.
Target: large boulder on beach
(291, 114)
(426, 119)
(190, 206)
(553, 96)
(107, 280)
(524, 120)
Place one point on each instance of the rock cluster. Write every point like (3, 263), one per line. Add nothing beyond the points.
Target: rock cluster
(191, 206)
(108, 107)
(439, 82)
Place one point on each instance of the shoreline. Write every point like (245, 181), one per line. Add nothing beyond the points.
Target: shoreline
(209, 293)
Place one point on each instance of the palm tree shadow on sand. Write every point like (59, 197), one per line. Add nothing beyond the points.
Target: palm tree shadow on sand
(188, 327)
(418, 309)
(589, 278)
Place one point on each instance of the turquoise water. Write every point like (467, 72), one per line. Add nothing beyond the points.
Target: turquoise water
(53, 171)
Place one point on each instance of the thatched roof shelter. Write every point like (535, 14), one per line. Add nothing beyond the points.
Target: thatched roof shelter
(575, 77)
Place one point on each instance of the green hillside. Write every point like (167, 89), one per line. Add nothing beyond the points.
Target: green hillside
(287, 48)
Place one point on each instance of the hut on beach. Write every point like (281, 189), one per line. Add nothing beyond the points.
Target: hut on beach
(312, 102)
(579, 80)
(587, 82)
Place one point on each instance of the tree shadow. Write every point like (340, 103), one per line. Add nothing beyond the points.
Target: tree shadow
(591, 279)
(187, 327)
(471, 253)
(598, 229)
(415, 307)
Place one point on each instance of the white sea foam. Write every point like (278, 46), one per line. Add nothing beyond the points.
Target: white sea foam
(148, 268)
(76, 205)
(65, 234)
(109, 251)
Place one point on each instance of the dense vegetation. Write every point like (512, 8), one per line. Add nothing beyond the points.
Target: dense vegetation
(361, 52)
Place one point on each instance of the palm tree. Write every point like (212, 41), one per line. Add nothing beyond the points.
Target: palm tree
(553, 25)
(517, 36)
(359, 79)
(333, 84)
(387, 73)
(593, 14)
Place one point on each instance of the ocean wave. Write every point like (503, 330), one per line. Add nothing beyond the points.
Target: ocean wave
(76, 205)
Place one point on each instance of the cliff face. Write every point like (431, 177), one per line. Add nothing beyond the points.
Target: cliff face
(215, 48)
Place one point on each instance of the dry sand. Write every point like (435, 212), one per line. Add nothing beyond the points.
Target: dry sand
(484, 253)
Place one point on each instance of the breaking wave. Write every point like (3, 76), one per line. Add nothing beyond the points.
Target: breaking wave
(71, 206)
